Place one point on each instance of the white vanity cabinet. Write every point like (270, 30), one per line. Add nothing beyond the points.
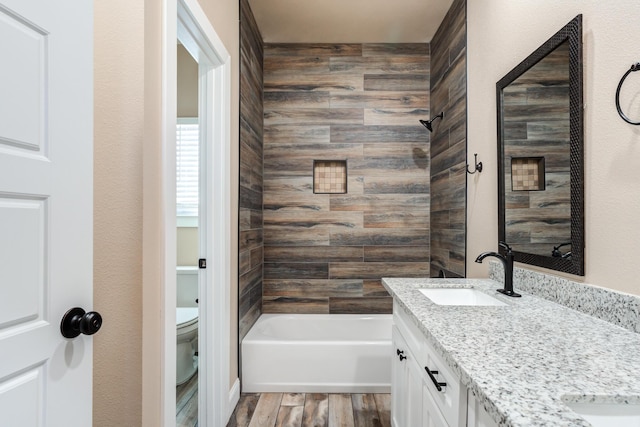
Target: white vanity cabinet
(415, 398)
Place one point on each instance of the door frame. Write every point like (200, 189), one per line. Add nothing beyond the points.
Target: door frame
(185, 20)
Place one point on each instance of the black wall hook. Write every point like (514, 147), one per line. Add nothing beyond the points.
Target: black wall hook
(634, 67)
(477, 167)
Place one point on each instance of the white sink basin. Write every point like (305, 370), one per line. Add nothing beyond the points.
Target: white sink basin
(608, 414)
(459, 296)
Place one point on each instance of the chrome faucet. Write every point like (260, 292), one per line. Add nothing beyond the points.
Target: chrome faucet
(507, 261)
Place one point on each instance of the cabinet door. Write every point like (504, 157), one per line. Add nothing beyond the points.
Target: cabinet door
(476, 414)
(406, 385)
(431, 415)
(414, 393)
(398, 381)
(450, 400)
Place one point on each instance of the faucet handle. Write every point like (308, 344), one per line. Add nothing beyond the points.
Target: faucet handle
(505, 246)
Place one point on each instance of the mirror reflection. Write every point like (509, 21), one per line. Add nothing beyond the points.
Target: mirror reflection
(540, 149)
(536, 158)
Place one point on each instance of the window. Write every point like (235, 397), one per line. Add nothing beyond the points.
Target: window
(187, 145)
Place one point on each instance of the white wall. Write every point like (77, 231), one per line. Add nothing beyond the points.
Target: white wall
(187, 83)
(503, 32)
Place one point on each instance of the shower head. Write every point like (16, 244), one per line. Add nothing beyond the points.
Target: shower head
(427, 124)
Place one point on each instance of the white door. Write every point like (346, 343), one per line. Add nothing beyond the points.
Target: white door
(46, 131)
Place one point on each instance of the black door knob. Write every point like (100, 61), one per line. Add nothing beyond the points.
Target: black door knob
(76, 321)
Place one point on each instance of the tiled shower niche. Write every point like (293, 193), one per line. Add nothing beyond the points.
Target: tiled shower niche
(329, 176)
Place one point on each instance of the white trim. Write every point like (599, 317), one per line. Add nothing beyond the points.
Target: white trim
(169, 116)
(234, 396)
(218, 244)
(187, 120)
(200, 35)
(185, 20)
(187, 221)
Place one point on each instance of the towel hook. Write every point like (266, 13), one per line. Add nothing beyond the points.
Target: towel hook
(477, 167)
(634, 67)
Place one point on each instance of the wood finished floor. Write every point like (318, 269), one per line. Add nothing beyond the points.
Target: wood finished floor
(312, 410)
(187, 403)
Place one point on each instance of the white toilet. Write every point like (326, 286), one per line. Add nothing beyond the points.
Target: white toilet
(186, 323)
(187, 330)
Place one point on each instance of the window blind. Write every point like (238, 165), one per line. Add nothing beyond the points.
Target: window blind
(187, 167)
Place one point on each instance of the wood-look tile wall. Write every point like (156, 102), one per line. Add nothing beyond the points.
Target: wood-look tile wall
(536, 124)
(251, 154)
(327, 253)
(449, 144)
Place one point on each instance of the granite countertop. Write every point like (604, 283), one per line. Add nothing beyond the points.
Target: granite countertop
(523, 361)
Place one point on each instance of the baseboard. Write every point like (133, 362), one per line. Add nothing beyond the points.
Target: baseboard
(234, 397)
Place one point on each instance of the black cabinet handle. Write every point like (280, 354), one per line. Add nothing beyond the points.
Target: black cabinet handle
(438, 385)
(400, 354)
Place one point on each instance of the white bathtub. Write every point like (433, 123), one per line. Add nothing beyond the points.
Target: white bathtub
(318, 353)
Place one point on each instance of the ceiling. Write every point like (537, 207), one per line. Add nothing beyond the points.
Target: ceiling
(349, 21)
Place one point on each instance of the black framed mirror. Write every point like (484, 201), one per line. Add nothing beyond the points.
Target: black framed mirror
(540, 155)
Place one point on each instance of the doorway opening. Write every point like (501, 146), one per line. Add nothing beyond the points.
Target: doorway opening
(187, 23)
